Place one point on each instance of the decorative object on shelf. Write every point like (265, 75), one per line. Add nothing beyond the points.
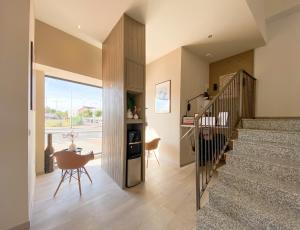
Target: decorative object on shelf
(163, 97)
(136, 113)
(129, 114)
(186, 120)
(71, 135)
(48, 167)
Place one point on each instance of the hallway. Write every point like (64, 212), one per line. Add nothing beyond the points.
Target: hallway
(165, 201)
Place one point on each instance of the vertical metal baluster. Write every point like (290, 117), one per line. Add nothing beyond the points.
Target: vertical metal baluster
(225, 121)
(201, 155)
(205, 151)
(197, 164)
(211, 147)
(213, 137)
(220, 128)
(222, 109)
(232, 105)
(231, 114)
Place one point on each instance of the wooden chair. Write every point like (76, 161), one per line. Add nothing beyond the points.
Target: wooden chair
(152, 146)
(69, 161)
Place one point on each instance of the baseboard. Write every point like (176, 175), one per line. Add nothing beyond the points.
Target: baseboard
(23, 226)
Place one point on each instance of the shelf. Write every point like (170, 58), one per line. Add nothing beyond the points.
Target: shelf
(135, 121)
(134, 91)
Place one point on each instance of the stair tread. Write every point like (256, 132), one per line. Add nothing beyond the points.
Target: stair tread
(210, 218)
(270, 144)
(273, 123)
(247, 206)
(270, 131)
(278, 162)
(267, 181)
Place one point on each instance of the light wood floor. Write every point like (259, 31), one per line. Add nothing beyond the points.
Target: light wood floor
(165, 201)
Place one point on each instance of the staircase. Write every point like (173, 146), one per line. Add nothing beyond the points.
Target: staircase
(259, 187)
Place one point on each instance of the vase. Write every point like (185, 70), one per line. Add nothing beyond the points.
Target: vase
(72, 147)
(48, 167)
(129, 114)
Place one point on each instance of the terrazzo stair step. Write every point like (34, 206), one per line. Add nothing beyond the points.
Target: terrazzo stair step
(267, 149)
(272, 191)
(251, 211)
(209, 218)
(279, 137)
(272, 124)
(286, 171)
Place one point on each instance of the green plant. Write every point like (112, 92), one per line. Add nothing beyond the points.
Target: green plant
(98, 113)
(130, 101)
(77, 120)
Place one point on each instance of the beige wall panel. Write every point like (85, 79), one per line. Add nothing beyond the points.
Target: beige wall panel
(194, 80)
(40, 121)
(58, 49)
(277, 70)
(167, 125)
(14, 117)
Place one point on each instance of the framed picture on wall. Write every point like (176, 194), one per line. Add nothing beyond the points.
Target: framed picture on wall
(163, 97)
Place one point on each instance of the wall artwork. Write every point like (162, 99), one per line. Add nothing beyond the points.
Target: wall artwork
(163, 97)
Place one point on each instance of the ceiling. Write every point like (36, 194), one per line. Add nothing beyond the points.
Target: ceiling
(169, 23)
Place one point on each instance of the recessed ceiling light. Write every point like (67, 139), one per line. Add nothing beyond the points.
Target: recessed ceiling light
(79, 27)
(210, 36)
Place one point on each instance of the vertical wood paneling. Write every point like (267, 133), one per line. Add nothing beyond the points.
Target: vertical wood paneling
(134, 40)
(125, 44)
(113, 103)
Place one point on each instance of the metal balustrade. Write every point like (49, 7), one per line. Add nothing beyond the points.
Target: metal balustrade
(216, 125)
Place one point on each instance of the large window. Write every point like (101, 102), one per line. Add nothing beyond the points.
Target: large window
(73, 108)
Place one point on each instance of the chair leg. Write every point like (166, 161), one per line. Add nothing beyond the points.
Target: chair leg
(71, 175)
(79, 182)
(86, 172)
(156, 157)
(62, 179)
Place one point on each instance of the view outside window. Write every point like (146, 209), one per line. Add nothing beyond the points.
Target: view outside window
(73, 108)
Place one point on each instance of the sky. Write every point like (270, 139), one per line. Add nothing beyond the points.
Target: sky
(64, 95)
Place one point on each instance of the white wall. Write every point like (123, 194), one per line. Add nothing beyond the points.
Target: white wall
(194, 80)
(278, 71)
(166, 126)
(14, 71)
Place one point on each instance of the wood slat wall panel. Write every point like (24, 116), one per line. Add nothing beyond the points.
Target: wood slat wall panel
(113, 104)
(134, 40)
(126, 43)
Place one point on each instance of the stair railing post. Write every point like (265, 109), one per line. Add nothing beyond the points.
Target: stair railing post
(241, 76)
(197, 150)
